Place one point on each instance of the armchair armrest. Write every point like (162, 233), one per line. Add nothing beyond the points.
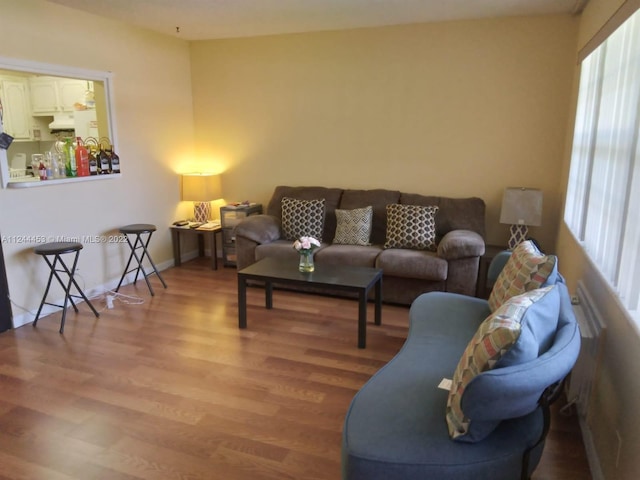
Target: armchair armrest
(496, 265)
(259, 228)
(461, 244)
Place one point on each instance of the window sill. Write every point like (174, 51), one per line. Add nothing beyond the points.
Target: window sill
(59, 181)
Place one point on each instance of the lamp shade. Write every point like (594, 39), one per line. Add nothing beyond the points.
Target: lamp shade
(521, 206)
(201, 187)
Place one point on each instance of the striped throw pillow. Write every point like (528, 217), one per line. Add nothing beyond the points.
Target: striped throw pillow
(526, 269)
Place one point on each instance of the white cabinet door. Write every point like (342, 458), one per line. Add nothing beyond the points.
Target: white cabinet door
(44, 96)
(51, 95)
(70, 92)
(16, 114)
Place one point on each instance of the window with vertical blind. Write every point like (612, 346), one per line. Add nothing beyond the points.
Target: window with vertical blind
(603, 194)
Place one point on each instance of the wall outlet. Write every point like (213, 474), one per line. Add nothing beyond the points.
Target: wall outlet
(575, 300)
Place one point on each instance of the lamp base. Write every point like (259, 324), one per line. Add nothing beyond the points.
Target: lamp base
(202, 211)
(518, 235)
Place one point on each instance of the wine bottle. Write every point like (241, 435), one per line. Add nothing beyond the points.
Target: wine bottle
(115, 161)
(105, 165)
(93, 162)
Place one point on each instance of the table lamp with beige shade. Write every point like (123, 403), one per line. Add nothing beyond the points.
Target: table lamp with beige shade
(201, 189)
(521, 208)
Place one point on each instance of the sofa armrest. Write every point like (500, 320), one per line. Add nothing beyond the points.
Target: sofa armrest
(461, 244)
(259, 228)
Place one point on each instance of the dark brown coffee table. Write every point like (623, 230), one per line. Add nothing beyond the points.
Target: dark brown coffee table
(335, 277)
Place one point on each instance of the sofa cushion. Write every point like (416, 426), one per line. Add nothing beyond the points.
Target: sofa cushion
(282, 249)
(526, 269)
(353, 226)
(331, 198)
(302, 218)
(378, 199)
(352, 255)
(411, 226)
(420, 264)
(518, 332)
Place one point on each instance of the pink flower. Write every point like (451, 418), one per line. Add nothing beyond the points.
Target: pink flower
(306, 244)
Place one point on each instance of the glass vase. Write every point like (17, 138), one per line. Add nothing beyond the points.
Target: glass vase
(306, 262)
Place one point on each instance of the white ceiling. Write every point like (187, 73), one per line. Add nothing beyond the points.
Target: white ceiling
(208, 19)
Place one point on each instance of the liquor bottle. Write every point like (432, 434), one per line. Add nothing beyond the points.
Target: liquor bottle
(105, 165)
(115, 161)
(62, 170)
(93, 162)
(82, 158)
(53, 159)
(48, 163)
(42, 171)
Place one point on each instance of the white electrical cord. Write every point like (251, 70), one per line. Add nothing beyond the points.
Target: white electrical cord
(109, 296)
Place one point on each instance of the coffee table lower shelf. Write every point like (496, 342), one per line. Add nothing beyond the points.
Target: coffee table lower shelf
(339, 278)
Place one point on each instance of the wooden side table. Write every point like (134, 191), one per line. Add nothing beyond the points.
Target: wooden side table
(175, 240)
(490, 251)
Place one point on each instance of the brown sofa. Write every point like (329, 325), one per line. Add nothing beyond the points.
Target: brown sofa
(453, 267)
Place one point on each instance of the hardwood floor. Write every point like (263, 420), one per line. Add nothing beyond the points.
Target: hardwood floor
(172, 389)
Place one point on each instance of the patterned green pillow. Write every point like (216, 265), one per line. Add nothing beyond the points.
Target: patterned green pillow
(535, 313)
(354, 226)
(302, 218)
(526, 269)
(411, 226)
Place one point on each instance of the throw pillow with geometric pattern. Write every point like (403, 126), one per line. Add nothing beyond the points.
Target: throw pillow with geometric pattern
(353, 226)
(494, 338)
(302, 218)
(526, 269)
(411, 226)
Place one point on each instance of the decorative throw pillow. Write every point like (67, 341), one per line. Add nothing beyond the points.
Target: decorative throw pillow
(519, 331)
(354, 226)
(411, 226)
(526, 269)
(302, 218)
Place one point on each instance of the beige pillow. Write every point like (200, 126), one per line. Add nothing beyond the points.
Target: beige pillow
(353, 226)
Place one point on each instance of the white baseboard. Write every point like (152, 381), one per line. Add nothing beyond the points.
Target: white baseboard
(95, 292)
(590, 449)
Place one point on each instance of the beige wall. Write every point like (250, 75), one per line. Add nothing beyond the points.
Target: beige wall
(455, 109)
(153, 107)
(613, 421)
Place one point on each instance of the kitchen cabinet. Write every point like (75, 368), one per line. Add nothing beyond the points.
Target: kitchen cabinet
(51, 95)
(16, 120)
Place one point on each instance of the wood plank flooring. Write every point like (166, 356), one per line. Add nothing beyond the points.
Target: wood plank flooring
(172, 389)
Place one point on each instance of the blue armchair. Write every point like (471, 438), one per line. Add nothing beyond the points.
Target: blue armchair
(395, 427)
